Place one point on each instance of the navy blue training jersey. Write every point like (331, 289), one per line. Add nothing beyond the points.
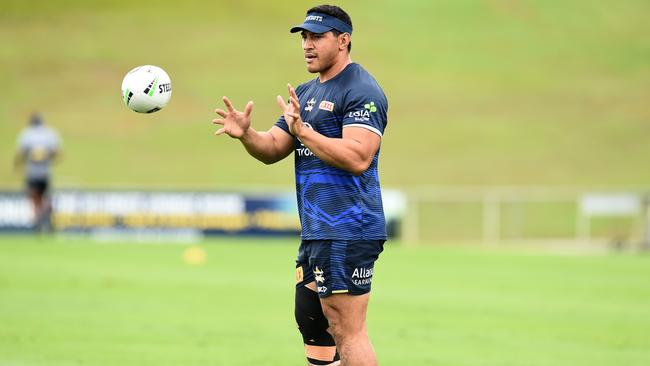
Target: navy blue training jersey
(333, 203)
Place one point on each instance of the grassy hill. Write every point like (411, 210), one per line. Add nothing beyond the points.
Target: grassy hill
(481, 92)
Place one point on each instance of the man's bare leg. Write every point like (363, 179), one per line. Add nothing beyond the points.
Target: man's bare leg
(346, 315)
(36, 200)
(319, 355)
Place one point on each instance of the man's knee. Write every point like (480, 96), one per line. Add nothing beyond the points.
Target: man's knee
(320, 347)
(310, 318)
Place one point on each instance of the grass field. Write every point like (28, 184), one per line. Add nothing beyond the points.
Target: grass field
(482, 92)
(75, 302)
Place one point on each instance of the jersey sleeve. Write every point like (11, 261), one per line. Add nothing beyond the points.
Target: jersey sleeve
(282, 124)
(366, 109)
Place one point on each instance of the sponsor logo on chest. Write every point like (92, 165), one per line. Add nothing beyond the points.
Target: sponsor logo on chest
(326, 106)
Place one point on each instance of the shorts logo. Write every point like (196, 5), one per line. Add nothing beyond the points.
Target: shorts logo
(318, 275)
(322, 289)
(362, 276)
(299, 274)
(326, 106)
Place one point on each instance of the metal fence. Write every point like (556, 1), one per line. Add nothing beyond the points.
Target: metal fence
(496, 215)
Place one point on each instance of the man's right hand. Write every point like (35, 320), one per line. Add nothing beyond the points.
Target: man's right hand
(235, 123)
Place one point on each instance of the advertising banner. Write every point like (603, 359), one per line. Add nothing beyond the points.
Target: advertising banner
(209, 213)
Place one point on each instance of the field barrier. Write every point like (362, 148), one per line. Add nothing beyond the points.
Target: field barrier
(502, 214)
(420, 215)
(185, 214)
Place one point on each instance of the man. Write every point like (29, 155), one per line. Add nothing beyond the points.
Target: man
(334, 125)
(38, 146)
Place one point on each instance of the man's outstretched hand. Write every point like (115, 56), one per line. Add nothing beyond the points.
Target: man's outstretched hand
(235, 123)
(291, 111)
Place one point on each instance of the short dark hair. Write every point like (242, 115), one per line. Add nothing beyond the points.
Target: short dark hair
(336, 12)
(36, 119)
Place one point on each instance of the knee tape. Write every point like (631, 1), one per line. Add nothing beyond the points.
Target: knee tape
(312, 323)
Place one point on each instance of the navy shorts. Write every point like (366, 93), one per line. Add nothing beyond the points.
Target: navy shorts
(38, 186)
(338, 266)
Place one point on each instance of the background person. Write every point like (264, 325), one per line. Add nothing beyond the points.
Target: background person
(38, 146)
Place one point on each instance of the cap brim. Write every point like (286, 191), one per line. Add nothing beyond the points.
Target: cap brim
(310, 27)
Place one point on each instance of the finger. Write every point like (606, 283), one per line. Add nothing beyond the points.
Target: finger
(221, 112)
(218, 121)
(248, 109)
(226, 101)
(292, 91)
(281, 103)
(294, 115)
(220, 131)
(294, 103)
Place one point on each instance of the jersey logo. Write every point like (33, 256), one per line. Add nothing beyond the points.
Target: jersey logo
(326, 106)
(363, 115)
(360, 115)
(310, 104)
(304, 150)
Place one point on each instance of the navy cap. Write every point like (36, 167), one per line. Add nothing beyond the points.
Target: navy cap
(321, 23)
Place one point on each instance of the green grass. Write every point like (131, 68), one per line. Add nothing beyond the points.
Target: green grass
(75, 302)
(481, 92)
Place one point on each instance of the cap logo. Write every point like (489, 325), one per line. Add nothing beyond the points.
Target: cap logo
(321, 23)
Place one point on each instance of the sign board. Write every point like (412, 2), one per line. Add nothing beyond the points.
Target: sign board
(618, 204)
(210, 213)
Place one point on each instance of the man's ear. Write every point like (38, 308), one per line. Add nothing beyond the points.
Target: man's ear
(344, 41)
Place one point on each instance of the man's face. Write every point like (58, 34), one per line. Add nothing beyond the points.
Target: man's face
(320, 50)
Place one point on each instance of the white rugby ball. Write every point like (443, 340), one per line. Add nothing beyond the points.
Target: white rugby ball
(146, 89)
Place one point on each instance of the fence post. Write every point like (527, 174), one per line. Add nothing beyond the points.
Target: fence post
(491, 218)
(645, 209)
(411, 223)
(583, 222)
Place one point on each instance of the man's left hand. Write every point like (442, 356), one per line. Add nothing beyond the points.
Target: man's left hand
(291, 111)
